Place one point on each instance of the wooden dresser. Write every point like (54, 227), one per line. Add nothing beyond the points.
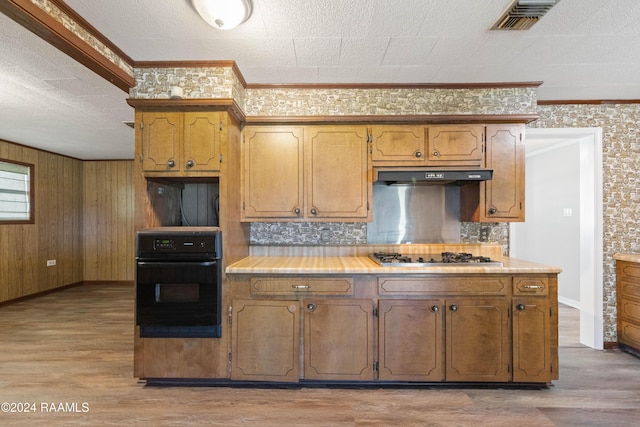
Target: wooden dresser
(628, 300)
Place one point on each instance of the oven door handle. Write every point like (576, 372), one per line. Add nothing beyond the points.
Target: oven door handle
(181, 264)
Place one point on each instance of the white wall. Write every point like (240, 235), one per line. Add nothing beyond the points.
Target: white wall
(551, 234)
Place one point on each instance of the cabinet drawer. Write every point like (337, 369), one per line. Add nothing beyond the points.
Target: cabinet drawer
(530, 286)
(629, 310)
(444, 285)
(628, 289)
(301, 286)
(629, 270)
(629, 334)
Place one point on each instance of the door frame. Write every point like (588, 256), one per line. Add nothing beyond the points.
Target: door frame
(591, 223)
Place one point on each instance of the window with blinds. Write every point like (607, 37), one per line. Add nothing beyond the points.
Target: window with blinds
(16, 192)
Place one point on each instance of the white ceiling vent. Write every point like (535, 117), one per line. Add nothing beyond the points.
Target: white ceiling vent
(523, 14)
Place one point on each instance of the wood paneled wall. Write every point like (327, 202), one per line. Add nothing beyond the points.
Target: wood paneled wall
(109, 236)
(56, 233)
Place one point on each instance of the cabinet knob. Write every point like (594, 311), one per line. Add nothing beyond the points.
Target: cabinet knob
(296, 211)
(190, 163)
(520, 307)
(314, 211)
(171, 163)
(436, 153)
(453, 307)
(418, 154)
(492, 210)
(435, 308)
(311, 306)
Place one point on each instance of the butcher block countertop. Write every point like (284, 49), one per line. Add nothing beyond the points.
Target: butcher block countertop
(627, 257)
(363, 265)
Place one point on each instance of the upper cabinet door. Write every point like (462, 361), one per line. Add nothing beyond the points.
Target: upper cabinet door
(338, 177)
(161, 141)
(504, 194)
(398, 145)
(201, 141)
(456, 145)
(272, 172)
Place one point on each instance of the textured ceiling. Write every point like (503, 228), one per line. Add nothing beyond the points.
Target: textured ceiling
(582, 49)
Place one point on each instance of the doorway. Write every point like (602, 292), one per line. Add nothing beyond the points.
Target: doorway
(564, 218)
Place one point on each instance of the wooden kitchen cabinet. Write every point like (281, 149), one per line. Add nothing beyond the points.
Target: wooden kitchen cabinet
(474, 346)
(502, 198)
(265, 340)
(413, 328)
(410, 340)
(628, 302)
(434, 145)
(338, 339)
(472, 341)
(531, 340)
(306, 174)
(456, 145)
(398, 145)
(273, 173)
(180, 142)
(337, 332)
(338, 177)
(477, 340)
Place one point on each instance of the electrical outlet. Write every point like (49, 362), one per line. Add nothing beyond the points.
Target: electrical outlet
(51, 262)
(484, 234)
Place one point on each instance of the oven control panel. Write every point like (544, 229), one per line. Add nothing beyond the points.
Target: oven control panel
(164, 244)
(178, 243)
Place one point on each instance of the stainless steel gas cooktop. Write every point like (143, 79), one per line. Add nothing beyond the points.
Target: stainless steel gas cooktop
(394, 259)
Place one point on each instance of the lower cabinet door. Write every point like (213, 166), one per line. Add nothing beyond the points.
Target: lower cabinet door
(265, 340)
(338, 339)
(477, 340)
(411, 346)
(531, 340)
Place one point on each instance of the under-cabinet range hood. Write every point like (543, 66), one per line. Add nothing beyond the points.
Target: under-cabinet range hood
(431, 175)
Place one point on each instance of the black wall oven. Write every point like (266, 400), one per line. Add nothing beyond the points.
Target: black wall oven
(179, 282)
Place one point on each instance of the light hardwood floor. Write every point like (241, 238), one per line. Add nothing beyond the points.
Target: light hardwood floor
(73, 350)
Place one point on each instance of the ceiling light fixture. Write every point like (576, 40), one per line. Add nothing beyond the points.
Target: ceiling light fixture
(223, 14)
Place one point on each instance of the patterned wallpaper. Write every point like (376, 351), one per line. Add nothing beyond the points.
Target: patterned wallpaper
(620, 125)
(392, 101)
(85, 35)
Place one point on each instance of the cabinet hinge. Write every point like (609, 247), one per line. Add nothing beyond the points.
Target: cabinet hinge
(243, 139)
(229, 357)
(375, 366)
(375, 311)
(141, 125)
(242, 205)
(230, 318)
(220, 124)
(220, 158)
(367, 205)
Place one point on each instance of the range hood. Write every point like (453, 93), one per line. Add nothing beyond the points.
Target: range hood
(431, 175)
